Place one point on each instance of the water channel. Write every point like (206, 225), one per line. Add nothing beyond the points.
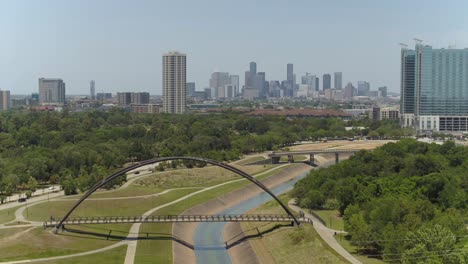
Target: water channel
(208, 240)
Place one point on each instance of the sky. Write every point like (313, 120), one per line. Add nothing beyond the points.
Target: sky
(119, 43)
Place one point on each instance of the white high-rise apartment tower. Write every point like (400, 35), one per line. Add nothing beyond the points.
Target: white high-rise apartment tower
(174, 82)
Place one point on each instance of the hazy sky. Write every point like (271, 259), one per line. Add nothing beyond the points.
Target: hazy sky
(119, 43)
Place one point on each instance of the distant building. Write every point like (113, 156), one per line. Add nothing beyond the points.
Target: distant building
(363, 88)
(208, 93)
(140, 98)
(326, 81)
(190, 89)
(434, 88)
(338, 80)
(218, 81)
(174, 82)
(383, 91)
(200, 95)
(103, 96)
(124, 98)
(92, 90)
(51, 91)
(348, 91)
(146, 108)
(275, 89)
(391, 113)
(234, 81)
(375, 114)
(5, 100)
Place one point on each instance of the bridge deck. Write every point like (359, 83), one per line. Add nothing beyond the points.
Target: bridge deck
(305, 152)
(173, 219)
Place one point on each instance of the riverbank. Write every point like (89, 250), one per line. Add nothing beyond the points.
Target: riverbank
(185, 231)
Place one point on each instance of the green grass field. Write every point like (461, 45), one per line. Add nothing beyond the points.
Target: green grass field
(8, 215)
(352, 249)
(332, 218)
(116, 255)
(148, 250)
(40, 243)
(287, 244)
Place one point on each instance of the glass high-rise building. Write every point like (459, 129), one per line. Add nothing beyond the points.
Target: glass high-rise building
(51, 91)
(338, 80)
(326, 81)
(174, 82)
(434, 88)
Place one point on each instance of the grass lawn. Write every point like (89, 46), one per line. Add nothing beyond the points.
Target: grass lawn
(115, 255)
(4, 233)
(287, 244)
(352, 249)
(41, 243)
(332, 218)
(8, 215)
(149, 250)
(250, 160)
(123, 207)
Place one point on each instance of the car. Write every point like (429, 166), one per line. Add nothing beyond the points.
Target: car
(21, 200)
(137, 172)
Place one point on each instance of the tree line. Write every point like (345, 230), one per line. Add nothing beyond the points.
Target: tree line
(78, 149)
(405, 202)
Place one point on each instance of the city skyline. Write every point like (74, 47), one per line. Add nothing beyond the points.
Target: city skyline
(126, 39)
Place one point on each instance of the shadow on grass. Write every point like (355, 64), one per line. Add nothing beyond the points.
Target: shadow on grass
(242, 237)
(118, 235)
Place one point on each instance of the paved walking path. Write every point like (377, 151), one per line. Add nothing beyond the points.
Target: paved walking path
(326, 234)
(135, 229)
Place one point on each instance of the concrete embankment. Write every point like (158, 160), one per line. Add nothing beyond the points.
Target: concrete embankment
(182, 254)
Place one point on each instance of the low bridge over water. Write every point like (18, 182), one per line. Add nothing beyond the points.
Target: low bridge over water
(276, 156)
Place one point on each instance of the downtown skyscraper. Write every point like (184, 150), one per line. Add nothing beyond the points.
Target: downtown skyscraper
(338, 80)
(434, 89)
(174, 81)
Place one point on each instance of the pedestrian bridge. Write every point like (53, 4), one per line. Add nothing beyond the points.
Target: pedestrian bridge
(275, 156)
(175, 219)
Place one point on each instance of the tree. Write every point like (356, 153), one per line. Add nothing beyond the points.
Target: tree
(32, 184)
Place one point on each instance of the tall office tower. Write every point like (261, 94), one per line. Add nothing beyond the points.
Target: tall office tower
(349, 91)
(275, 89)
(290, 72)
(174, 82)
(229, 88)
(326, 81)
(363, 88)
(51, 91)
(383, 91)
(190, 89)
(311, 81)
(92, 90)
(217, 83)
(4, 100)
(260, 85)
(253, 67)
(407, 95)
(317, 84)
(140, 98)
(440, 88)
(338, 80)
(234, 81)
(254, 83)
(124, 98)
(208, 93)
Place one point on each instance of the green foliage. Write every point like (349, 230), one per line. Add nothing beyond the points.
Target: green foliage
(395, 190)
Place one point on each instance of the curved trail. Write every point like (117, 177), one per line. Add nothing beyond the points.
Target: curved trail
(134, 230)
(326, 234)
